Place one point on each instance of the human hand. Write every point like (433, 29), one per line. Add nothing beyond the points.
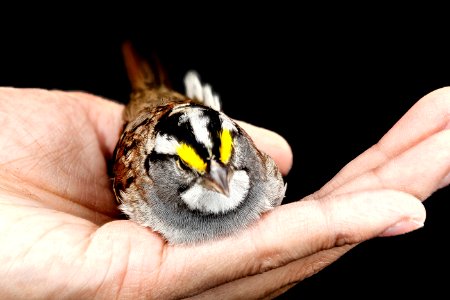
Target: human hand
(60, 238)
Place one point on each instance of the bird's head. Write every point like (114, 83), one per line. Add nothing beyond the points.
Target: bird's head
(197, 152)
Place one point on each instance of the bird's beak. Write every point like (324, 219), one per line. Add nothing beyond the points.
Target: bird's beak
(218, 178)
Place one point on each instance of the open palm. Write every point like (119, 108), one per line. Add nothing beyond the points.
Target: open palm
(61, 238)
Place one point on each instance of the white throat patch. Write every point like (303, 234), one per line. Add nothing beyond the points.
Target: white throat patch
(205, 200)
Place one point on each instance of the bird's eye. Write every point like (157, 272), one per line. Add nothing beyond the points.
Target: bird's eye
(181, 165)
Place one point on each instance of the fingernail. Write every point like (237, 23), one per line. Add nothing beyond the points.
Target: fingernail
(402, 227)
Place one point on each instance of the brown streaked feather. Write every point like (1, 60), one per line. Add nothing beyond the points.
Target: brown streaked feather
(131, 149)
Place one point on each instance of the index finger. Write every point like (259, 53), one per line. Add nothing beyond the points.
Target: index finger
(430, 115)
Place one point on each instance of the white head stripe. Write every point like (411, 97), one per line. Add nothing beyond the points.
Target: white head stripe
(199, 125)
(165, 144)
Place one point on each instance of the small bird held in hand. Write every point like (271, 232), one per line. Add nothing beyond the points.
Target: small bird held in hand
(184, 168)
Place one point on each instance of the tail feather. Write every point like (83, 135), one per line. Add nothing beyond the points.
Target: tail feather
(161, 78)
(203, 93)
(139, 71)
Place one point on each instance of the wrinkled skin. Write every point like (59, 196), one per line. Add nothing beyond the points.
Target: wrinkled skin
(60, 238)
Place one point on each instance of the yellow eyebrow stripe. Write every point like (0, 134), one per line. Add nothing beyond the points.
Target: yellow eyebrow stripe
(190, 157)
(226, 145)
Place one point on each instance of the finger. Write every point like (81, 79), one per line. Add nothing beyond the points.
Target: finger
(271, 143)
(273, 283)
(419, 171)
(428, 116)
(292, 232)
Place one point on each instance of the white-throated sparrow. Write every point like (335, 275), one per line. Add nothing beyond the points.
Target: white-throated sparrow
(184, 168)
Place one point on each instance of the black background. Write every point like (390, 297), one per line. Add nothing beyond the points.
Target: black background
(332, 88)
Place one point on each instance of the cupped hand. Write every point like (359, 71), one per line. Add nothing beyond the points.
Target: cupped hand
(61, 238)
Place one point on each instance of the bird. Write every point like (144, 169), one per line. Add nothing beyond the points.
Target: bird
(184, 168)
